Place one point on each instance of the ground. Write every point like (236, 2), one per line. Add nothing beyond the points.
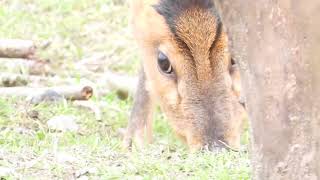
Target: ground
(76, 29)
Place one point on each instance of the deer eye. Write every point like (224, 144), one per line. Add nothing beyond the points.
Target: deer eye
(164, 63)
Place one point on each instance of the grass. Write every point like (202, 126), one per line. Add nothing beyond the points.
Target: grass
(29, 150)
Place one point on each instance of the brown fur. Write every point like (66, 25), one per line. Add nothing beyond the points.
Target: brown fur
(199, 103)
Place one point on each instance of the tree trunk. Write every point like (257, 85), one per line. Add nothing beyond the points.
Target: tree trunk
(276, 44)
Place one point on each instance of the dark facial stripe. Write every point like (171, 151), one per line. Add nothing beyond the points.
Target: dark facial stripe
(172, 9)
(217, 35)
(216, 40)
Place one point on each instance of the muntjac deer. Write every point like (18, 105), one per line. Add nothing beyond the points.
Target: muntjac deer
(187, 70)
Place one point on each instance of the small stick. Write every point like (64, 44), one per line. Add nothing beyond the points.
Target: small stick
(68, 92)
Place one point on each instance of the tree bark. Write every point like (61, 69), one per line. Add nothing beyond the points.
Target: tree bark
(276, 44)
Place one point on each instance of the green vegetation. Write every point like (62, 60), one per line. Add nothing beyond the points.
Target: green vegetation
(29, 150)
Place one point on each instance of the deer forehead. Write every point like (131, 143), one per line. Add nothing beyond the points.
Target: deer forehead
(189, 29)
(198, 29)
